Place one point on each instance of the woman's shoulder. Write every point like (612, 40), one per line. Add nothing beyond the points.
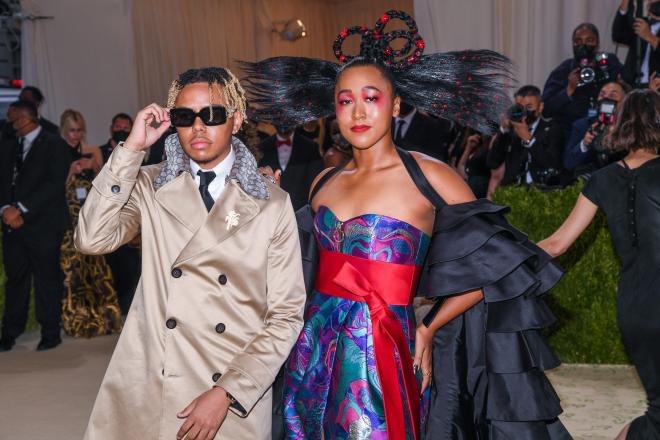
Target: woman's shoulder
(444, 179)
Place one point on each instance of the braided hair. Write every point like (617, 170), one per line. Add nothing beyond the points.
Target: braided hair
(214, 77)
(469, 87)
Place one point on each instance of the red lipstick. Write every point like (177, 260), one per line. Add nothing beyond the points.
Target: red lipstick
(360, 128)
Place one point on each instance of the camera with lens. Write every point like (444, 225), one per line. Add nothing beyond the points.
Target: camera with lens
(593, 70)
(518, 113)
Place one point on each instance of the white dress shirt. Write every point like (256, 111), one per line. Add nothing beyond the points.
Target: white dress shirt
(221, 171)
(284, 151)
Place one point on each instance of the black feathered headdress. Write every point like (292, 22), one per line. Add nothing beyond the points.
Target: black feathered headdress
(469, 87)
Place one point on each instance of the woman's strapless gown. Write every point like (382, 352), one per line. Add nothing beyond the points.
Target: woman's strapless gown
(332, 387)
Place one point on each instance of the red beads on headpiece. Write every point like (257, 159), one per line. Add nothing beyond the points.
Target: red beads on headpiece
(377, 44)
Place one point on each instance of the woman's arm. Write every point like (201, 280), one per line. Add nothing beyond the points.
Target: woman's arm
(577, 221)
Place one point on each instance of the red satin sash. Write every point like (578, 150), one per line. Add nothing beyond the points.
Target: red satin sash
(380, 284)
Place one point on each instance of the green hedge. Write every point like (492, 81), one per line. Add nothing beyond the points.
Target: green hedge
(584, 301)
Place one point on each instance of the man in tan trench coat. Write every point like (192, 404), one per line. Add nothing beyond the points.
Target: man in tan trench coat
(219, 305)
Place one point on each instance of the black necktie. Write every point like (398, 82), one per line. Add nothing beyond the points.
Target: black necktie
(205, 179)
(398, 131)
(19, 154)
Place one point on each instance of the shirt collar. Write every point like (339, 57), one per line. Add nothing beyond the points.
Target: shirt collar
(221, 170)
(408, 118)
(31, 136)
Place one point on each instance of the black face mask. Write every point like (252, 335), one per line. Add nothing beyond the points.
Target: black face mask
(120, 136)
(584, 51)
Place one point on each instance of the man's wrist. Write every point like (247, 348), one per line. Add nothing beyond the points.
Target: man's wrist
(228, 397)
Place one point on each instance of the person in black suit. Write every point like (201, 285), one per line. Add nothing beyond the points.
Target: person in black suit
(33, 170)
(565, 100)
(531, 150)
(31, 94)
(631, 31)
(414, 131)
(294, 158)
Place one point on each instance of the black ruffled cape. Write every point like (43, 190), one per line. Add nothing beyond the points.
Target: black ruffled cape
(488, 379)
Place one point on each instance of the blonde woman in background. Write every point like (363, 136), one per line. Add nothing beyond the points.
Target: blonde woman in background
(90, 306)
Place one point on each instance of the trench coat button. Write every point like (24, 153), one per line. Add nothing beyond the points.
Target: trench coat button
(115, 189)
(220, 328)
(222, 279)
(176, 272)
(216, 377)
(170, 323)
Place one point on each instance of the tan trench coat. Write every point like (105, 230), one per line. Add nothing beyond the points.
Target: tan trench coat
(217, 304)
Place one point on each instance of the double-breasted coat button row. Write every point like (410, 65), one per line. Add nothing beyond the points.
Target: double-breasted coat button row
(176, 272)
(222, 279)
(220, 328)
(170, 323)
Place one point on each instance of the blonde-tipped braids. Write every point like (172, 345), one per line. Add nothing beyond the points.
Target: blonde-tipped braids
(217, 78)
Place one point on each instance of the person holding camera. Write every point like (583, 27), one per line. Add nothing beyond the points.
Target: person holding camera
(531, 149)
(571, 89)
(584, 150)
(641, 33)
(628, 192)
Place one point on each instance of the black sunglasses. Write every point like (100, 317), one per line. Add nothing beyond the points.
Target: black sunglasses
(185, 117)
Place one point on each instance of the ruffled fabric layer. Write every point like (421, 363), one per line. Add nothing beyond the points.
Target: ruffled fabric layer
(488, 372)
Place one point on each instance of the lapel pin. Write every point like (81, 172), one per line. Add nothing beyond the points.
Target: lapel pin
(232, 219)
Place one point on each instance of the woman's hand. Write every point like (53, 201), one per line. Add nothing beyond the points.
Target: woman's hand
(424, 354)
(77, 166)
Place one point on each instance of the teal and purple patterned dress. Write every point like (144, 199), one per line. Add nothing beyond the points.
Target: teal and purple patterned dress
(332, 387)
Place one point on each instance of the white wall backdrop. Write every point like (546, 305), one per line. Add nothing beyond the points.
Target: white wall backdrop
(82, 59)
(535, 34)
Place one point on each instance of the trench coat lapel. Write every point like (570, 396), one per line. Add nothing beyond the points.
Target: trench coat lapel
(177, 197)
(216, 228)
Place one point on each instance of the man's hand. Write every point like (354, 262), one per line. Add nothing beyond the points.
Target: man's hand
(204, 415)
(522, 130)
(150, 124)
(654, 82)
(10, 215)
(590, 135)
(643, 30)
(573, 81)
(424, 354)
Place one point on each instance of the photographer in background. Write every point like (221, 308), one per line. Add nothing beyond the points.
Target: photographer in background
(572, 88)
(584, 151)
(531, 150)
(641, 35)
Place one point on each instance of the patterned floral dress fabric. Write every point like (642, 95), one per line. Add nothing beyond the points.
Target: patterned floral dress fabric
(332, 389)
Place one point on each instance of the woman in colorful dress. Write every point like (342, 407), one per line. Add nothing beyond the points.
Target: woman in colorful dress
(90, 306)
(361, 365)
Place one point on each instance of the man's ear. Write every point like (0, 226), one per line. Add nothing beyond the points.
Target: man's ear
(541, 108)
(397, 107)
(238, 122)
